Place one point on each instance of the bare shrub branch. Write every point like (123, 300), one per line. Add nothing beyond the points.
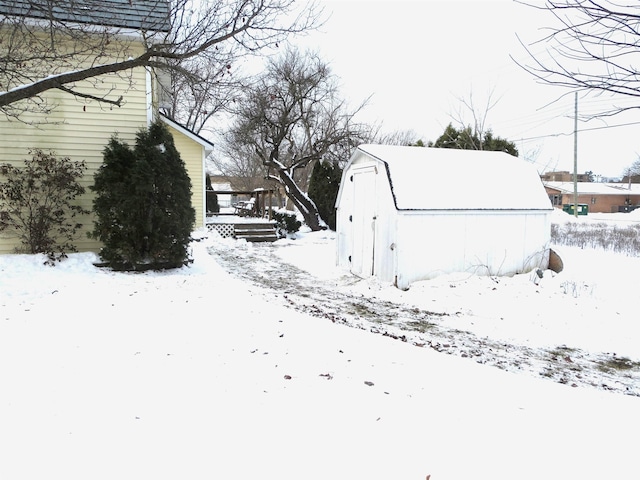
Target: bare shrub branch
(37, 203)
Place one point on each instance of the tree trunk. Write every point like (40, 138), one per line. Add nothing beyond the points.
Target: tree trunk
(302, 202)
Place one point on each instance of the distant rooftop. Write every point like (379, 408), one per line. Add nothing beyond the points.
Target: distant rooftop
(596, 188)
(133, 14)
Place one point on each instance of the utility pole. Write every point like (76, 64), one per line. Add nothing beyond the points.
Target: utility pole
(575, 158)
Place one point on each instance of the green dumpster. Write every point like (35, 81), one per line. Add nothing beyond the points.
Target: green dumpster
(583, 208)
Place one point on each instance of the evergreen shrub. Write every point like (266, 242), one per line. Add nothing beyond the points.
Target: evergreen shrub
(323, 190)
(211, 197)
(143, 203)
(286, 222)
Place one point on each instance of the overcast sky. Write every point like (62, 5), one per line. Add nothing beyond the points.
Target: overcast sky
(418, 58)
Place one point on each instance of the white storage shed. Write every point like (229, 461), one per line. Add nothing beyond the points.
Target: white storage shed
(412, 213)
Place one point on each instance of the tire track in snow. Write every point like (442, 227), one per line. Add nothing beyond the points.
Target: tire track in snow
(277, 280)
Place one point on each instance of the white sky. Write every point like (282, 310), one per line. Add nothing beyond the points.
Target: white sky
(419, 57)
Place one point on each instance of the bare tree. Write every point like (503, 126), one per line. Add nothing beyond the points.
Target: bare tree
(397, 137)
(631, 174)
(291, 118)
(241, 163)
(479, 114)
(592, 46)
(47, 44)
(476, 135)
(195, 103)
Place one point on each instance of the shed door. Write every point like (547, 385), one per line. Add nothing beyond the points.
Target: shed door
(363, 218)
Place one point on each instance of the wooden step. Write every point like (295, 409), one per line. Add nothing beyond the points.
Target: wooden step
(256, 232)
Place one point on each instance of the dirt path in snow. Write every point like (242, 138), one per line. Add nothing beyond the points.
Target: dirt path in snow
(281, 282)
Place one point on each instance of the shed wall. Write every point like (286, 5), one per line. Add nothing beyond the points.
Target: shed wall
(366, 231)
(385, 255)
(483, 243)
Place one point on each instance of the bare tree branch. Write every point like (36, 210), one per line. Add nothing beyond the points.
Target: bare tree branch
(101, 99)
(593, 46)
(478, 114)
(46, 44)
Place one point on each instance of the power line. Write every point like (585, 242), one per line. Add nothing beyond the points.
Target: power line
(563, 134)
(556, 109)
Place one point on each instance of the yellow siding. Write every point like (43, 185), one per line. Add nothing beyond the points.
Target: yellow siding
(192, 154)
(81, 132)
(80, 129)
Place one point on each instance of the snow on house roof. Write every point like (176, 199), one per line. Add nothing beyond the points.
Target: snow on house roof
(424, 178)
(137, 15)
(206, 144)
(596, 188)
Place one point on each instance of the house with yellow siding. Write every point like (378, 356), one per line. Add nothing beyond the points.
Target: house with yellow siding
(80, 128)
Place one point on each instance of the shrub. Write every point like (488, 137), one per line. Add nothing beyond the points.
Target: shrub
(211, 197)
(323, 190)
(143, 203)
(286, 223)
(37, 203)
(615, 238)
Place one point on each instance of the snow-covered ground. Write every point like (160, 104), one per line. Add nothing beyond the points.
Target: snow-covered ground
(259, 361)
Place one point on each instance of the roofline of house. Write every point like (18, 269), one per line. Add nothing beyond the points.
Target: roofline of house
(164, 26)
(206, 144)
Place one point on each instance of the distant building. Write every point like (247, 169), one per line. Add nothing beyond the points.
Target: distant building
(599, 197)
(563, 177)
(631, 179)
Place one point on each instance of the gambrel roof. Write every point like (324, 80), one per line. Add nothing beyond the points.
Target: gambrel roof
(425, 178)
(132, 14)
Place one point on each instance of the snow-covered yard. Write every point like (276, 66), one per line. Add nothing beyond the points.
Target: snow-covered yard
(259, 361)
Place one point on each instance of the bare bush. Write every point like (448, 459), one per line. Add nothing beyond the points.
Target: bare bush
(601, 236)
(38, 203)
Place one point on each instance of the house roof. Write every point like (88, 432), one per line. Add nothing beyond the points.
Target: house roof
(424, 178)
(206, 144)
(596, 188)
(133, 14)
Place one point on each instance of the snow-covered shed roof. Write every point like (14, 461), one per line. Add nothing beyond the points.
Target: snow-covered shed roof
(136, 15)
(424, 178)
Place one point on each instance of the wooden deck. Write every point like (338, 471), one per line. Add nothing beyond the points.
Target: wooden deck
(250, 229)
